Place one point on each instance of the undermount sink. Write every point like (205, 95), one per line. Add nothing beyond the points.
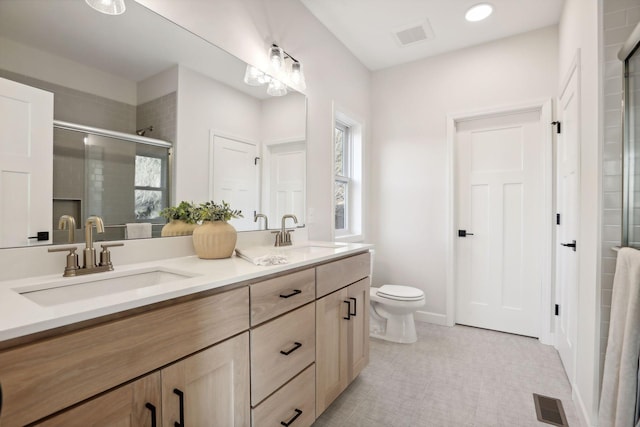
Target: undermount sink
(310, 248)
(64, 290)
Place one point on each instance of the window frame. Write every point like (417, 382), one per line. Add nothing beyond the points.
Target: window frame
(344, 178)
(164, 183)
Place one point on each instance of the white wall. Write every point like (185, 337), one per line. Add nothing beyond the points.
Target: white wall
(284, 118)
(204, 105)
(22, 59)
(245, 28)
(410, 103)
(158, 85)
(578, 29)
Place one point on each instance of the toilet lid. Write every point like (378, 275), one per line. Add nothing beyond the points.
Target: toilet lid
(401, 293)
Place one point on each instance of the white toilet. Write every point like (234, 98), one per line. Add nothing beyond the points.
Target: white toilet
(392, 308)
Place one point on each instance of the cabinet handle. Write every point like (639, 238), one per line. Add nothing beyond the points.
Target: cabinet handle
(296, 345)
(355, 307)
(348, 310)
(0, 398)
(181, 397)
(288, 423)
(295, 292)
(152, 408)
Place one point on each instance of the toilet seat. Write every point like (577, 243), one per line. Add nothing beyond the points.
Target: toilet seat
(400, 293)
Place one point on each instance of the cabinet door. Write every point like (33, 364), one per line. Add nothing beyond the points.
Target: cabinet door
(210, 388)
(332, 374)
(134, 404)
(358, 332)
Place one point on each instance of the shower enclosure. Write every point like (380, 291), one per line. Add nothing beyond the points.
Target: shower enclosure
(630, 54)
(123, 178)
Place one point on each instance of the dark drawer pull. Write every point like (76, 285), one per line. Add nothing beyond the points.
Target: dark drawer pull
(152, 408)
(295, 292)
(288, 423)
(296, 345)
(181, 397)
(0, 398)
(348, 310)
(355, 307)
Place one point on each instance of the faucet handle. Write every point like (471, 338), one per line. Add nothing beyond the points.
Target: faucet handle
(72, 259)
(105, 254)
(71, 249)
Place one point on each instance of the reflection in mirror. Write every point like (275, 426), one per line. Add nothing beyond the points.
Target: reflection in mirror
(93, 172)
(140, 72)
(631, 146)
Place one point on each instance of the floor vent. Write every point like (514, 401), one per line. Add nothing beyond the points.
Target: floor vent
(550, 410)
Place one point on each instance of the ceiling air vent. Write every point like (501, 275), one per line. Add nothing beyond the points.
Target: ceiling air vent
(413, 34)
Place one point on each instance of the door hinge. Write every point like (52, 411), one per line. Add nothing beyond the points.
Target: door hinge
(558, 126)
(557, 310)
(557, 219)
(255, 160)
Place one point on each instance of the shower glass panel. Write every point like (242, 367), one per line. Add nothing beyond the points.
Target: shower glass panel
(631, 193)
(119, 180)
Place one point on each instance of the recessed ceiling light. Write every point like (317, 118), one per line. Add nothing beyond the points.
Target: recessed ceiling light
(478, 12)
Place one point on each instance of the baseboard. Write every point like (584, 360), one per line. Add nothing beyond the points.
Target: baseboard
(581, 409)
(428, 317)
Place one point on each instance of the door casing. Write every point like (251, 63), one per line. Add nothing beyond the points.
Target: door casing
(546, 297)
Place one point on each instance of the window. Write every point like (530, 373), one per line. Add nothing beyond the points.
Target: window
(150, 188)
(342, 147)
(347, 178)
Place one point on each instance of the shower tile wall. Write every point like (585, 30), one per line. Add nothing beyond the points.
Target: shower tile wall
(75, 106)
(620, 18)
(161, 113)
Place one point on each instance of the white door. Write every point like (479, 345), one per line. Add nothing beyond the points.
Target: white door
(26, 164)
(286, 174)
(235, 178)
(568, 175)
(499, 167)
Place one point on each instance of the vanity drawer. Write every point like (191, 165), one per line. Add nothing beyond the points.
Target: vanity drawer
(293, 333)
(273, 297)
(338, 274)
(298, 396)
(46, 376)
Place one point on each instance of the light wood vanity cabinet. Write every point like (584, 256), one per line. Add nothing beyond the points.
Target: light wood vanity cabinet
(43, 377)
(135, 404)
(210, 388)
(276, 352)
(342, 327)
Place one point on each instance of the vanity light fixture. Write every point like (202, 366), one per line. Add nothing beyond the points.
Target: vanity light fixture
(478, 12)
(108, 7)
(278, 60)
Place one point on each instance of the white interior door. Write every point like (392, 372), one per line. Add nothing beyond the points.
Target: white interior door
(235, 178)
(285, 183)
(568, 176)
(499, 179)
(26, 164)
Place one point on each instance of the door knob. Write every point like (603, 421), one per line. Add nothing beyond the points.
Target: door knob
(464, 233)
(571, 245)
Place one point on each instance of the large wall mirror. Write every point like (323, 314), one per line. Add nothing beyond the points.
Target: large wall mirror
(140, 74)
(630, 54)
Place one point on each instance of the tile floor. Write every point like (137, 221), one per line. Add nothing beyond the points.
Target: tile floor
(458, 376)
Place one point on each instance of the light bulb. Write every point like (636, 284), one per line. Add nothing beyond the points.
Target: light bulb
(109, 7)
(253, 76)
(276, 88)
(276, 57)
(297, 76)
(478, 12)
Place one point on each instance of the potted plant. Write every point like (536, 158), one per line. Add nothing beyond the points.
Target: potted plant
(182, 219)
(215, 238)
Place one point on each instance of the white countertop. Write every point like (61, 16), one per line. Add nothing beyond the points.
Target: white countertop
(19, 316)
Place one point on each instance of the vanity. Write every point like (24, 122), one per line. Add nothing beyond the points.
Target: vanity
(231, 344)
